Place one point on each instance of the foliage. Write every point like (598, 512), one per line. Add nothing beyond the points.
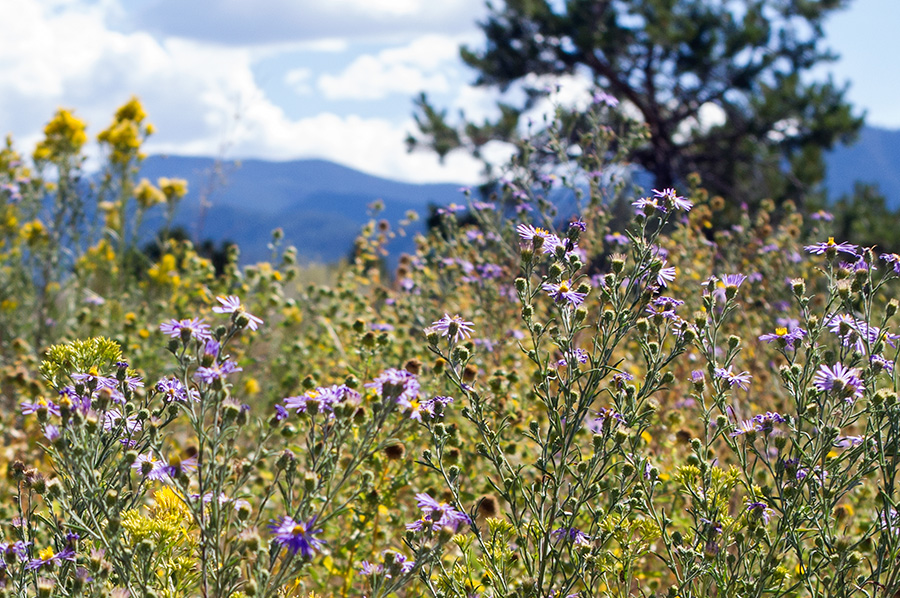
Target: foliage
(721, 87)
(605, 397)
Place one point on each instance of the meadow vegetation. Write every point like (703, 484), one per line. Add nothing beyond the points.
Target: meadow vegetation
(611, 398)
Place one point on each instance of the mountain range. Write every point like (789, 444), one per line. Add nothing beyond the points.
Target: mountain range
(321, 206)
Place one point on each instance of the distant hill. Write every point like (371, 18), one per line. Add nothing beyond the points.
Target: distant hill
(321, 206)
(874, 158)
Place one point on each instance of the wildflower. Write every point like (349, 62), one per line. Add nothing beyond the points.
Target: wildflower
(760, 510)
(842, 381)
(130, 424)
(601, 97)
(48, 557)
(437, 515)
(368, 569)
(172, 389)
(848, 441)
(665, 275)
(765, 423)
(735, 280)
(324, 398)
(51, 432)
(528, 232)
(832, 247)
(573, 535)
(453, 327)
(430, 405)
(652, 203)
(42, 405)
(616, 239)
(579, 355)
(742, 380)
(186, 329)
(822, 215)
(399, 383)
(297, 536)
(606, 418)
(746, 427)
(216, 371)
(784, 337)
(664, 307)
(893, 260)
(154, 469)
(672, 200)
(563, 292)
(232, 305)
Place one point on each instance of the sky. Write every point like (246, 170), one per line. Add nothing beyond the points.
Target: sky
(290, 79)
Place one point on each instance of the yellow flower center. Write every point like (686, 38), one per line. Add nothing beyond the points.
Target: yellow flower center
(564, 287)
(299, 530)
(831, 242)
(541, 232)
(46, 554)
(781, 331)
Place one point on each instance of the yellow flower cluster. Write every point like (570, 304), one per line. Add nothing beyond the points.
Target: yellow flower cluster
(147, 195)
(173, 189)
(126, 133)
(64, 135)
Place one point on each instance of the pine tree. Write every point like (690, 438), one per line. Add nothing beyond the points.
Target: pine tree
(673, 62)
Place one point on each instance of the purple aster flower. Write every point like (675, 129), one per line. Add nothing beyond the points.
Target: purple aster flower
(672, 200)
(399, 383)
(822, 215)
(573, 535)
(96, 382)
(579, 225)
(48, 557)
(172, 389)
(839, 380)
(765, 423)
(893, 260)
(453, 327)
(606, 419)
(742, 380)
(436, 515)
(649, 204)
(601, 97)
(745, 427)
(831, 246)
(616, 239)
(51, 432)
(154, 469)
(430, 405)
(528, 232)
(784, 337)
(216, 371)
(41, 405)
(297, 536)
(733, 280)
(563, 292)
(848, 441)
(185, 329)
(130, 424)
(232, 304)
(325, 398)
(368, 569)
(579, 355)
(880, 363)
(760, 510)
(665, 275)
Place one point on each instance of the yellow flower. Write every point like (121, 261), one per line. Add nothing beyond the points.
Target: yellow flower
(172, 188)
(251, 386)
(147, 195)
(63, 135)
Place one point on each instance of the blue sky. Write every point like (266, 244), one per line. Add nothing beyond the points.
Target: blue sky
(286, 79)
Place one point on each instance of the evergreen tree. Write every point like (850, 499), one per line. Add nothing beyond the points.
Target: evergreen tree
(674, 62)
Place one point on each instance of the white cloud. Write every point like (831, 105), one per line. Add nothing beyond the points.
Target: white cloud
(403, 70)
(203, 98)
(299, 80)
